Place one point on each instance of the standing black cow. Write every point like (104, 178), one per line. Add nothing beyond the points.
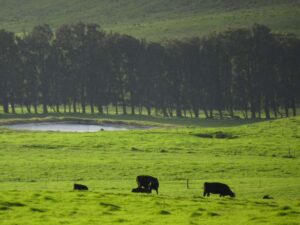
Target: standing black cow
(148, 183)
(80, 187)
(217, 188)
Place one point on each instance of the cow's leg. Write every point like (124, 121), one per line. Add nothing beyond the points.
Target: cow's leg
(204, 193)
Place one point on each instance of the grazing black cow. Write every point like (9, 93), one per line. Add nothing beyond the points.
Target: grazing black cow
(217, 188)
(148, 183)
(80, 187)
(141, 190)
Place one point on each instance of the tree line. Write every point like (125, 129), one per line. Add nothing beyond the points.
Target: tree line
(81, 67)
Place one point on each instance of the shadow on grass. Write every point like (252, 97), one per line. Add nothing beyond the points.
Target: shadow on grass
(164, 212)
(12, 204)
(110, 206)
(37, 210)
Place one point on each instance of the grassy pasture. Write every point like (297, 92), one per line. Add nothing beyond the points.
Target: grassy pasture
(154, 20)
(38, 169)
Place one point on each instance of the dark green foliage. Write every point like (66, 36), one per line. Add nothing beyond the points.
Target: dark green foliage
(82, 68)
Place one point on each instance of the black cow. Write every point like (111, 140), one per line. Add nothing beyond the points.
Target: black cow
(148, 183)
(80, 187)
(141, 190)
(217, 188)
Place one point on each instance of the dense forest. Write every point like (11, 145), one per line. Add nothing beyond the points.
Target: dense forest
(80, 68)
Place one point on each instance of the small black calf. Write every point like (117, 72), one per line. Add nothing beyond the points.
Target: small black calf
(80, 187)
(141, 190)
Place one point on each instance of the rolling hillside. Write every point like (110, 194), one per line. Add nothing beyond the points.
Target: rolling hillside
(153, 20)
(38, 170)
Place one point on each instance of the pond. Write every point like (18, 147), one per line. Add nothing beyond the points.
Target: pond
(74, 127)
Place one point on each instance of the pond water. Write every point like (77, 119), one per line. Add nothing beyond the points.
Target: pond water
(73, 127)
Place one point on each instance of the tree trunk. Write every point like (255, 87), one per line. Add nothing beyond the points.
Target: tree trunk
(286, 110)
(124, 106)
(220, 113)
(206, 113)
(211, 113)
(253, 112)
(117, 110)
(165, 114)
(100, 109)
(231, 112)
(275, 113)
(35, 108)
(184, 113)
(246, 112)
(5, 105)
(275, 109)
(83, 106)
(28, 108)
(53, 108)
(13, 109)
(170, 111)
(178, 111)
(92, 107)
(156, 111)
(259, 114)
(132, 110)
(294, 107)
(45, 109)
(196, 112)
(267, 110)
(74, 106)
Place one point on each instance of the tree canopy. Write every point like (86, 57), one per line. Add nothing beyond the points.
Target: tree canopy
(250, 70)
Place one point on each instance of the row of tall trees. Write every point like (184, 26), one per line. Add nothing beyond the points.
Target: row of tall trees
(79, 66)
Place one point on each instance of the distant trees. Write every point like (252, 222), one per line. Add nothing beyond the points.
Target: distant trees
(81, 68)
(9, 74)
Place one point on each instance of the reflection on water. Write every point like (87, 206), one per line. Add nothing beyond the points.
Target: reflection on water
(73, 127)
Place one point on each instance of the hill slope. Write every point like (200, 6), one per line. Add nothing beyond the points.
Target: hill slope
(154, 19)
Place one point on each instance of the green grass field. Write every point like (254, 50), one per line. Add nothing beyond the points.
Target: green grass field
(38, 169)
(154, 20)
